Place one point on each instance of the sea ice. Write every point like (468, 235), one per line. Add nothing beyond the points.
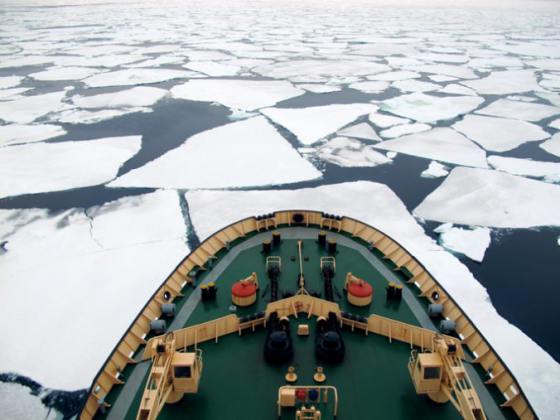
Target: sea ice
(80, 116)
(438, 78)
(550, 171)
(384, 121)
(312, 124)
(483, 197)
(29, 60)
(212, 68)
(207, 55)
(17, 402)
(244, 153)
(376, 86)
(555, 124)
(27, 109)
(65, 73)
(401, 130)
(519, 110)
(455, 89)
(16, 133)
(140, 76)
(247, 95)
(346, 152)
(505, 82)
(429, 108)
(378, 206)
(442, 144)
(393, 76)
(10, 81)
(435, 170)
(42, 167)
(360, 131)
(12, 93)
(318, 88)
(57, 263)
(135, 97)
(459, 72)
(499, 134)
(469, 242)
(414, 86)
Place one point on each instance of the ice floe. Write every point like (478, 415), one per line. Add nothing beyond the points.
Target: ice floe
(16, 133)
(360, 131)
(12, 93)
(80, 116)
(552, 146)
(135, 97)
(212, 68)
(492, 198)
(414, 86)
(247, 95)
(438, 78)
(240, 154)
(505, 82)
(499, 134)
(83, 256)
(376, 86)
(435, 170)
(27, 109)
(519, 110)
(42, 167)
(430, 108)
(455, 89)
(469, 242)
(64, 73)
(459, 72)
(555, 124)
(442, 144)
(312, 124)
(318, 88)
(384, 121)
(378, 206)
(140, 76)
(393, 76)
(10, 81)
(347, 152)
(401, 130)
(550, 171)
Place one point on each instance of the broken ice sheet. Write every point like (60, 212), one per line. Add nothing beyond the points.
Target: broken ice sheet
(135, 97)
(370, 87)
(401, 130)
(384, 121)
(519, 110)
(347, 152)
(312, 124)
(414, 86)
(43, 167)
(110, 263)
(10, 81)
(442, 144)
(65, 73)
(505, 82)
(499, 134)
(27, 109)
(360, 131)
(482, 197)
(469, 242)
(137, 76)
(247, 95)
(245, 153)
(16, 133)
(435, 170)
(212, 68)
(318, 88)
(430, 108)
(549, 171)
(455, 89)
(459, 72)
(393, 76)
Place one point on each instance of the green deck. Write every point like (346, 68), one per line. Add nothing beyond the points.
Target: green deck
(372, 381)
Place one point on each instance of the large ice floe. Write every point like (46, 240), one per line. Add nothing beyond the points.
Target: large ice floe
(360, 131)
(347, 152)
(27, 109)
(401, 130)
(134, 97)
(139, 76)
(64, 73)
(549, 171)
(10, 81)
(499, 134)
(442, 144)
(505, 82)
(312, 124)
(469, 242)
(520, 110)
(552, 146)
(376, 204)
(42, 167)
(56, 263)
(430, 108)
(241, 154)
(480, 197)
(247, 95)
(17, 133)
(212, 68)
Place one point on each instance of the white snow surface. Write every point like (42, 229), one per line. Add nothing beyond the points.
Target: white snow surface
(83, 116)
(64, 73)
(376, 204)
(412, 85)
(18, 403)
(479, 197)
(442, 144)
(505, 82)
(43, 167)
(375, 86)
(10, 81)
(384, 121)
(17, 133)
(552, 146)
(247, 95)
(211, 159)
(435, 170)
(499, 134)
(135, 97)
(401, 130)
(318, 88)
(83, 256)
(469, 242)
(347, 152)
(312, 124)
(430, 108)
(359, 131)
(393, 76)
(212, 68)
(526, 167)
(27, 109)
(138, 76)
(519, 110)
(555, 124)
